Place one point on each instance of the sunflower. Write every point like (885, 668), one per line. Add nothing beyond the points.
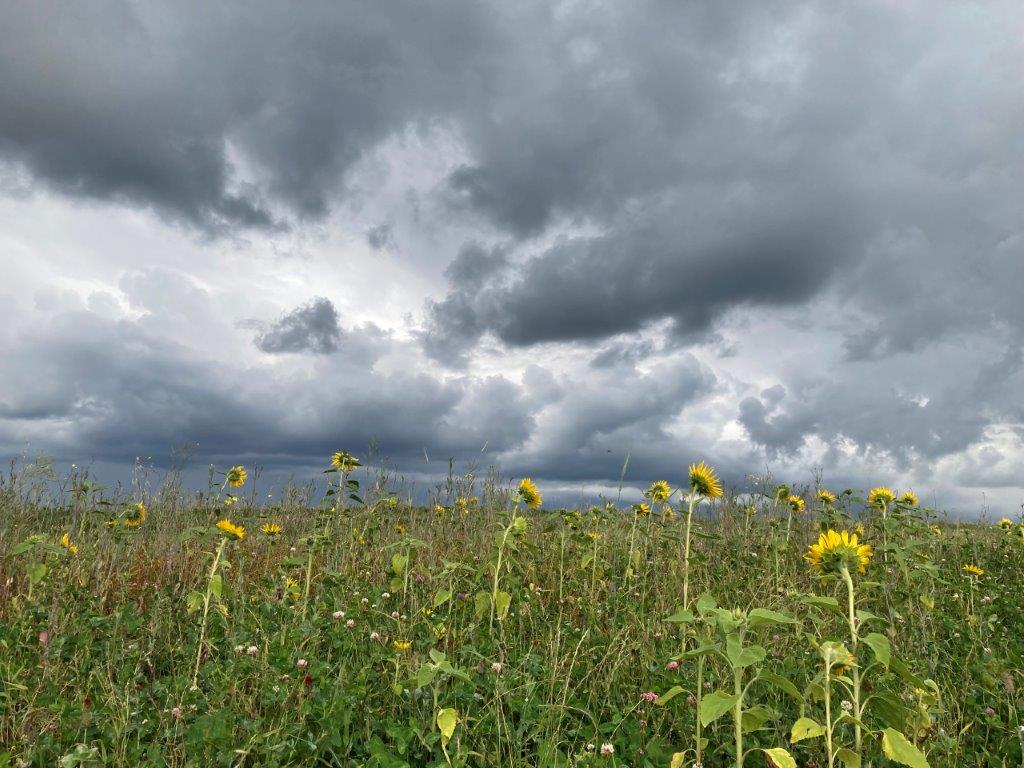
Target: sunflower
(136, 515)
(271, 529)
(643, 509)
(796, 503)
(529, 494)
(402, 645)
(230, 529)
(936, 530)
(344, 461)
(1005, 523)
(65, 541)
(974, 570)
(838, 549)
(881, 497)
(659, 491)
(236, 477)
(399, 529)
(826, 497)
(704, 482)
(910, 499)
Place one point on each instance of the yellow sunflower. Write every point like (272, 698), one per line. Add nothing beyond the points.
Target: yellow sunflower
(659, 491)
(881, 496)
(643, 509)
(910, 499)
(826, 497)
(271, 529)
(344, 461)
(836, 549)
(1005, 523)
(974, 570)
(402, 645)
(796, 503)
(704, 482)
(230, 529)
(236, 476)
(136, 515)
(65, 541)
(529, 494)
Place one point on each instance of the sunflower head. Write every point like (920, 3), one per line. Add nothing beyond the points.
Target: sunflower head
(529, 494)
(236, 476)
(826, 497)
(1005, 523)
(231, 530)
(838, 549)
(936, 530)
(973, 570)
(65, 541)
(909, 498)
(344, 461)
(796, 503)
(271, 529)
(136, 515)
(881, 497)
(659, 491)
(643, 509)
(402, 645)
(704, 482)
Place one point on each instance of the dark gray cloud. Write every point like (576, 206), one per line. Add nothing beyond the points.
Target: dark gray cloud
(313, 328)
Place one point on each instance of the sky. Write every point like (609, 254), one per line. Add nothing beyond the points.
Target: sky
(776, 236)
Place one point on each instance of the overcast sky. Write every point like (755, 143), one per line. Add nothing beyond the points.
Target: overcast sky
(767, 234)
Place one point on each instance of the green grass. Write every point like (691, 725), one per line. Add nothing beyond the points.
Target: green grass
(99, 647)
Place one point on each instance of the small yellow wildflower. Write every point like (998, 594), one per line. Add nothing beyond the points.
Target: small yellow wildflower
(704, 481)
(402, 645)
(659, 491)
(271, 529)
(836, 549)
(236, 476)
(936, 530)
(881, 496)
(230, 529)
(399, 529)
(136, 515)
(229, 500)
(65, 541)
(529, 494)
(974, 570)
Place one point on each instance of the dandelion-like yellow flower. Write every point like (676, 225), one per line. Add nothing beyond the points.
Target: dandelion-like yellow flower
(399, 529)
(836, 549)
(859, 529)
(344, 461)
(643, 509)
(659, 491)
(402, 645)
(826, 497)
(65, 541)
(271, 529)
(529, 494)
(750, 510)
(230, 529)
(136, 515)
(910, 499)
(881, 496)
(1005, 523)
(704, 481)
(796, 503)
(936, 530)
(236, 476)
(229, 500)
(974, 570)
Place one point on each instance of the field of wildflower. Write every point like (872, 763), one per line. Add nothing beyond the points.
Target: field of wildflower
(338, 624)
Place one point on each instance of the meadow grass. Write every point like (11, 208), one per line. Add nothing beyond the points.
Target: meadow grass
(483, 629)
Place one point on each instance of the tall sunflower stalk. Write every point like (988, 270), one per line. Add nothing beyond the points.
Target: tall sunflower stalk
(214, 585)
(704, 484)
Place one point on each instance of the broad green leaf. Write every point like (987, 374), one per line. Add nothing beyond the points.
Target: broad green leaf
(805, 728)
(781, 683)
(779, 758)
(706, 603)
(682, 616)
(481, 604)
(194, 600)
(442, 597)
(216, 585)
(755, 717)
(760, 616)
(848, 758)
(398, 563)
(880, 645)
(714, 705)
(668, 695)
(36, 572)
(502, 601)
(677, 760)
(741, 657)
(896, 747)
(446, 722)
(822, 601)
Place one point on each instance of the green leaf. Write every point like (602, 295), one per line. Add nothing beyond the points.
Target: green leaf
(442, 597)
(502, 601)
(682, 616)
(398, 563)
(777, 757)
(677, 760)
(741, 657)
(755, 717)
(760, 616)
(706, 603)
(805, 728)
(848, 758)
(822, 601)
(880, 645)
(194, 600)
(714, 705)
(35, 572)
(447, 719)
(896, 747)
(481, 604)
(216, 585)
(668, 695)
